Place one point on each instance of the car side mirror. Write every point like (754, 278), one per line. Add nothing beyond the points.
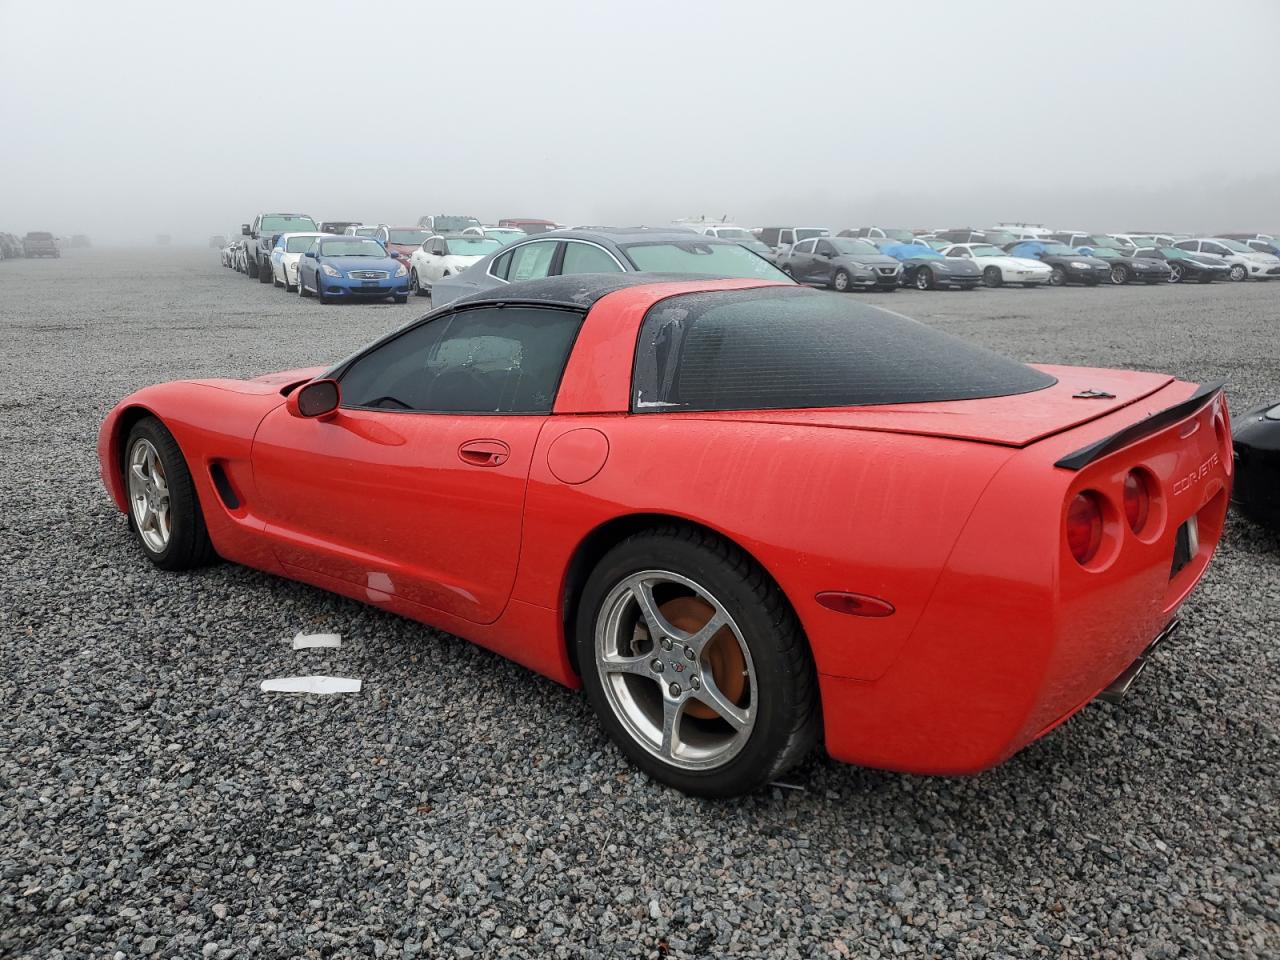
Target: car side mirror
(828, 254)
(312, 254)
(318, 399)
(244, 229)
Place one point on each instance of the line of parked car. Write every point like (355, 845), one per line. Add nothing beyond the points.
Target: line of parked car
(449, 256)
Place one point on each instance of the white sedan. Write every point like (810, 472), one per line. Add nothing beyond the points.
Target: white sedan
(440, 257)
(998, 267)
(285, 255)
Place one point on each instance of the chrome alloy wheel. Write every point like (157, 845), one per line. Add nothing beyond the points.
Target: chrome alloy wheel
(675, 670)
(149, 496)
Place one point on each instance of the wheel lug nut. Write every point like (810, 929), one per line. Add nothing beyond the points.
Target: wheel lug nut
(688, 653)
(695, 683)
(675, 689)
(666, 643)
(656, 665)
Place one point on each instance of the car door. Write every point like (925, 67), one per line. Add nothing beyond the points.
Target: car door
(822, 262)
(307, 266)
(800, 260)
(414, 489)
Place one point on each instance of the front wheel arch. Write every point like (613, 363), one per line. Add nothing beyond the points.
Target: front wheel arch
(592, 548)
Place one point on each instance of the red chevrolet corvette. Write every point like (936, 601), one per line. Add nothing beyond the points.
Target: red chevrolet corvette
(745, 516)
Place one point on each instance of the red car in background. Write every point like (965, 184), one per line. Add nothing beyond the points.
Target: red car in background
(530, 225)
(745, 516)
(402, 241)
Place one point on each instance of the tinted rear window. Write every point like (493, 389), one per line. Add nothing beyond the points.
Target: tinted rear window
(779, 348)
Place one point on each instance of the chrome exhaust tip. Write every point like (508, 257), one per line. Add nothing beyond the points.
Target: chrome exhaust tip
(1118, 689)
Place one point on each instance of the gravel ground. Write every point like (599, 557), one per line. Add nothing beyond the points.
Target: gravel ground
(155, 803)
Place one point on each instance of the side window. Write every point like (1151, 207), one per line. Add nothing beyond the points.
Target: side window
(1186, 245)
(500, 266)
(805, 246)
(824, 248)
(437, 247)
(587, 258)
(960, 252)
(787, 237)
(1217, 249)
(482, 360)
(532, 261)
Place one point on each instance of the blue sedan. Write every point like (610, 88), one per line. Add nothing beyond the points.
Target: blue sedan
(351, 268)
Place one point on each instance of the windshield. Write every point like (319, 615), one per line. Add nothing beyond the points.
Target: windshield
(906, 236)
(756, 245)
(1097, 241)
(1056, 249)
(1237, 246)
(365, 231)
(352, 247)
(734, 233)
(857, 248)
(408, 236)
(286, 224)
(471, 246)
(1103, 253)
(299, 244)
(986, 250)
(999, 237)
(700, 256)
(1171, 253)
(805, 233)
(454, 224)
(504, 234)
(39, 236)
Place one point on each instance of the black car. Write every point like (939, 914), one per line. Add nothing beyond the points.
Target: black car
(1256, 491)
(1069, 266)
(927, 269)
(842, 263)
(1200, 267)
(1126, 266)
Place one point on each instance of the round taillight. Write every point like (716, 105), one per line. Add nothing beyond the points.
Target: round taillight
(1137, 500)
(1084, 526)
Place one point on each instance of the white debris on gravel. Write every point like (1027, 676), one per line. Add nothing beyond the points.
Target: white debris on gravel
(313, 684)
(316, 641)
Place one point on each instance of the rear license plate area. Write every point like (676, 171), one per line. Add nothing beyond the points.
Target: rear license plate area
(1186, 544)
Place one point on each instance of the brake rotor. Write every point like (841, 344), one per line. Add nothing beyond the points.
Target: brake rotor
(721, 657)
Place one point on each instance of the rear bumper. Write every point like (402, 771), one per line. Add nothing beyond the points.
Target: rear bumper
(1017, 637)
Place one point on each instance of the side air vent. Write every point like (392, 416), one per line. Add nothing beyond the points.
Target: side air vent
(226, 492)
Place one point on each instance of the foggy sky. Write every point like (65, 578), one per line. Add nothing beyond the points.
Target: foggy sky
(122, 120)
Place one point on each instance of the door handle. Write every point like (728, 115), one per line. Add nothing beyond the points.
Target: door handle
(484, 453)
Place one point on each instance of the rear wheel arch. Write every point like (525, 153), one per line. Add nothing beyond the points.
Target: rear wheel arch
(593, 547)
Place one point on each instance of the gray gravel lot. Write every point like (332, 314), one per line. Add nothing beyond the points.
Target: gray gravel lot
(154, 803)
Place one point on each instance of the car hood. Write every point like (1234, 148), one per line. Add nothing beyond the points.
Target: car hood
(1151, 263)
(362, 263)
(282, 381)
(954, 265)
(868, 260)
(1013, 421)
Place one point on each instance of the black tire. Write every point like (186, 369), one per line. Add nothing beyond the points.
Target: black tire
(841, 281)
(189, 545)
(1058, 277)
(320, 289)
(1238, 273)
(303, 292)
(264, 271)
(250, 267)
(923, 279)
(401, 299)
(415, 286)
(1119, 274)
(1176, 273)
(785, 699)
(276, 283)
(992, 277)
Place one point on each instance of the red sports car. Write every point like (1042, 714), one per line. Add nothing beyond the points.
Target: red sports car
(744, 516)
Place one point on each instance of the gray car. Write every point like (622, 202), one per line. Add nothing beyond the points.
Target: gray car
(842, 263)
(606, 250)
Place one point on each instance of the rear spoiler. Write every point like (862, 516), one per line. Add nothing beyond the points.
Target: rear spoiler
(1156, 421)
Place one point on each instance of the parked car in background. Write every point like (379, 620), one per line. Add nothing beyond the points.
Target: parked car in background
(530, 225)
(503, 235)
(260, 236)
(778, 239)
(1255, 491)
(731, 231)
(351, 268)
(878, 233)
(1065, 265)
(285, 255)
(841, 263)
(607, 250)
(337, 226)
(1135, 240)
(998, 267)
(369, 230)
(1263, 243)
(227, 254)
(927, 269)
(438, 257)
(217, 241)
(445, 223)
(1200, 267)
(1245, 262)
(931, 242)
(402, 240)
(39, 243)
(971, 235)
(1125, 265)
(10, 247)
(1020, 231)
